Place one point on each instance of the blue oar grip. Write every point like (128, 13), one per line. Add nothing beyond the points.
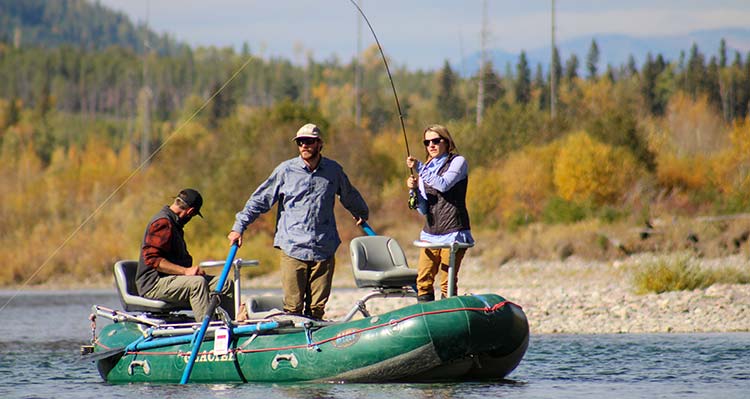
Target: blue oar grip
(227, 266)
(368, 230)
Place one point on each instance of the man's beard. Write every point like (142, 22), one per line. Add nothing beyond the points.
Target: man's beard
(312, 153)
(182, 221)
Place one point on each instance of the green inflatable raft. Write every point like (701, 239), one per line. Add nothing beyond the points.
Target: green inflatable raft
(468, 337)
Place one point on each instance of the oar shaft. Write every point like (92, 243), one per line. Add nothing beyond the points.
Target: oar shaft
(227, 266)
(207, 318)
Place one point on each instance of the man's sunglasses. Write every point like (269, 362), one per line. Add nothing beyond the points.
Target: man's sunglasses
(306, 141)
(435, 141)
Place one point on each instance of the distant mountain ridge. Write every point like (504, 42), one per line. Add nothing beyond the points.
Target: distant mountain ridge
(90, 25)
(614, 49)
(80, 23)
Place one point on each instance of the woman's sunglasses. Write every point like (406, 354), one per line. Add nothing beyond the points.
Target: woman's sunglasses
(435, 141)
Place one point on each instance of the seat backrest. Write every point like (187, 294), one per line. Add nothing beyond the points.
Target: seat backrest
(379, 262)
(376, 253)
(125, 271)
(125, 277)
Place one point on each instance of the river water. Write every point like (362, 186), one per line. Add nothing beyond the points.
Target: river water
(41, 332)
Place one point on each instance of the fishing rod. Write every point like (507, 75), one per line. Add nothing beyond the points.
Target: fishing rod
(412, 193)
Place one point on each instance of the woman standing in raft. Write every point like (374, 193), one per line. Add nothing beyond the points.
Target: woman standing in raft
(442, 182)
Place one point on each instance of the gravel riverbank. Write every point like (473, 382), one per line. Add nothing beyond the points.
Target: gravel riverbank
(576, 296)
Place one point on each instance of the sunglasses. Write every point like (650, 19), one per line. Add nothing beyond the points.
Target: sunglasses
(306, 141)
(435, 141)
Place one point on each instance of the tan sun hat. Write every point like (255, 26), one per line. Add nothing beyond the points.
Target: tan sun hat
(309, 130)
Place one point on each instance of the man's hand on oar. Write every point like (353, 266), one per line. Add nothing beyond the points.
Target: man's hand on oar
(235, 238)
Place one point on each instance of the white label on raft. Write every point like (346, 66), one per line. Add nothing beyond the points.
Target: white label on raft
(221, 341)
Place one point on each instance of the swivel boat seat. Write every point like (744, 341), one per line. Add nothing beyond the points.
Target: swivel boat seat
(378, 262)
(124, 271)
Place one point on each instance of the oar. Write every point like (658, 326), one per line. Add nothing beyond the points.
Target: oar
(368, 230)
(214, 302)
(92, 357)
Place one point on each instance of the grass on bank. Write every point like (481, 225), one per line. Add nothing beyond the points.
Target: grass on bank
(682, 271)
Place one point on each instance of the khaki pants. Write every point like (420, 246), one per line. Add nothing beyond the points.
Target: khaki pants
(193, 291)
(306, 285)
(434, 262)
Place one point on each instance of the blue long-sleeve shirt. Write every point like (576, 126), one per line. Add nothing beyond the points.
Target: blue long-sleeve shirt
(306, 229)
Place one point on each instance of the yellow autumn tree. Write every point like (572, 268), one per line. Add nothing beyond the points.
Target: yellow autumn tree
(689, 144)
(588, 170)
(483, 195)
(526, 181)
(731, 168)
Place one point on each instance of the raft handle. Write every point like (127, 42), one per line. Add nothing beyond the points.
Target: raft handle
(289, 357)
(139, 363)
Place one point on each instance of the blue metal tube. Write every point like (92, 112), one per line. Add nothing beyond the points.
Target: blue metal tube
(207, 318)
(140, 344)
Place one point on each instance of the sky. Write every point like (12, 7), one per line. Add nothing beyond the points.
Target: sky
(420, 34)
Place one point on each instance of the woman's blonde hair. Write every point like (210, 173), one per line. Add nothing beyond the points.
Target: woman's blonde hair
(443, 132)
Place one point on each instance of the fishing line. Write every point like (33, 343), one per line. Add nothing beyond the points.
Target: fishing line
(142, 165)
(126, 181)
(390, 78)
(412, 194)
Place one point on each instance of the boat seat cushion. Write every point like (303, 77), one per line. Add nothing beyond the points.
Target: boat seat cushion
(379, 262)
(132, 302)
(263, 306)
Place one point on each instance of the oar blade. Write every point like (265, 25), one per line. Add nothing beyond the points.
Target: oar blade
(96, 356)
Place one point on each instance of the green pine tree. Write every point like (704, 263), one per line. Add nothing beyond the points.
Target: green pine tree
(448, 103)
(592, 59)
(523, 80)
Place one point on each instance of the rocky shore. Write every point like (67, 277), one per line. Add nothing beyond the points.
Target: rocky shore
(576, 297)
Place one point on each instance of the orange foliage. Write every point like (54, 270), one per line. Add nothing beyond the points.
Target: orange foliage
(693, 149)
(682, 172)
(48, 203)
(691, 127)
(732, 166)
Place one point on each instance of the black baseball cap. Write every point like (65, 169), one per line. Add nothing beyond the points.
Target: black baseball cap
(192, 198)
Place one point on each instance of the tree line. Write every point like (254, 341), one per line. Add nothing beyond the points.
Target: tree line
(629, 143)
(117, 82)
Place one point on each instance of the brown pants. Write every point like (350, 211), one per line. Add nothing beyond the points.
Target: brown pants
(435, 262)
(306, 285)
